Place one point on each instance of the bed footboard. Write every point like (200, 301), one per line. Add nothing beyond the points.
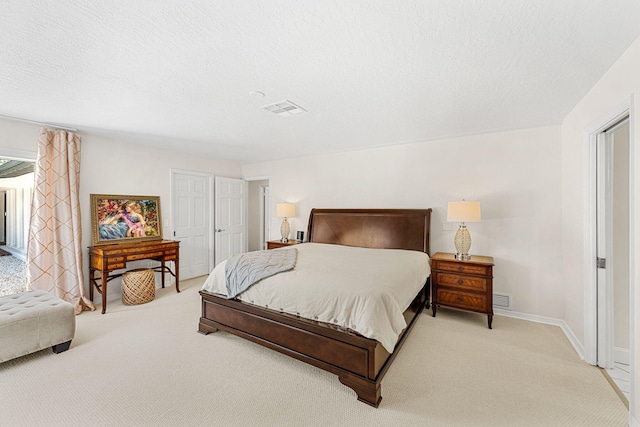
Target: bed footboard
(360, 363)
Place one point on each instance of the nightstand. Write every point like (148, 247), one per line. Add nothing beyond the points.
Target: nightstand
(273, 244)
(467, 285)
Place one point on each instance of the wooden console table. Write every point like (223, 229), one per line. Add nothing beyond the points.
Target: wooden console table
(107, 258)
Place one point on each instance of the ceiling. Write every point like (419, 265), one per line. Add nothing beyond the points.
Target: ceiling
(13, 168)
(367, 73)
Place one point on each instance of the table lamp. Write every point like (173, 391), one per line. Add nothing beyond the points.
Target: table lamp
(284, 211)
(463, 212)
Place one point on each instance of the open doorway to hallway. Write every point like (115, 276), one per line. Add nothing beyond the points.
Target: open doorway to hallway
(16, 189)
(259, 219)
(607, 260)
(613, 245)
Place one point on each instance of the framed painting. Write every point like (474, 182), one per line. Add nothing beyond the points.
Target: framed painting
(118, 219)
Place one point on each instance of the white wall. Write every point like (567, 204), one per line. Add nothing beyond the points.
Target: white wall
(515, 175)
(118, 167)
(617, 85)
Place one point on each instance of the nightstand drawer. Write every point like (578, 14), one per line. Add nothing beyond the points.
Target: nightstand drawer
(460, 267)
(467, 301)
(275, 244)
(459, 281)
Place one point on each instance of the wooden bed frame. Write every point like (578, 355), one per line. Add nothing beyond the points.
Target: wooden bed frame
(360, 363)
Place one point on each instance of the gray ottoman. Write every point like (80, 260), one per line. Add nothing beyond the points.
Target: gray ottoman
(32, 321)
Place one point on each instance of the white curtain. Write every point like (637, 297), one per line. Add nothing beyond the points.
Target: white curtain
(54, 250)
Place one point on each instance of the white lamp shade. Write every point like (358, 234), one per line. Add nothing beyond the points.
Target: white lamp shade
(285, 210)
(463, 212)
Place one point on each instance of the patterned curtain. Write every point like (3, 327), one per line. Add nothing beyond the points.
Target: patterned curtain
(54, 250)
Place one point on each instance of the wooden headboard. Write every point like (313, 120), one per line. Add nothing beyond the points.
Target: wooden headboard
(372, 228)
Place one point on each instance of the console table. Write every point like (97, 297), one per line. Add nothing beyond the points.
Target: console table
(107, 258)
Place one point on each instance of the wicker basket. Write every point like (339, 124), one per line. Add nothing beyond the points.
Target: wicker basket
(138, 286)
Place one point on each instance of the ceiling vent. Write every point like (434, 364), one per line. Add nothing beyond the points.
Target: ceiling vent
(284, 108)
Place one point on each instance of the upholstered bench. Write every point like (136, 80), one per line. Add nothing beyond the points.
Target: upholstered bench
(32, 321)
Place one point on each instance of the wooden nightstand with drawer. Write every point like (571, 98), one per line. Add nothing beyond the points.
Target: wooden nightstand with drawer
(274, 244)
(466, 285)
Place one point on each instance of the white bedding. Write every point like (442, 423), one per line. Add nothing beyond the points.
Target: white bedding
(365, 290)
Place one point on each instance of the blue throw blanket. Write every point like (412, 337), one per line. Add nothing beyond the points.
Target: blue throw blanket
(244, 270)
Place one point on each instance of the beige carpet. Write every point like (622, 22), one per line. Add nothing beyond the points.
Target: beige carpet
(146, 365)
(12, 275)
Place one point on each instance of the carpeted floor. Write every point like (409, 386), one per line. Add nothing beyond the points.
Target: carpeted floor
(146, 365)
(12, 275)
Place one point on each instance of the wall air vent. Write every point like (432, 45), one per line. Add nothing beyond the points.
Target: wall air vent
(502, 301)
(284, 108)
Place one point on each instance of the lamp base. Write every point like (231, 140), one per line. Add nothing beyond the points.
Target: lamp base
(285, 229)
(462, 243)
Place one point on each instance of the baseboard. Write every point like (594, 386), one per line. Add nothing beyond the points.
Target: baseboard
(621, 355)
(575, 343)
(18, 253)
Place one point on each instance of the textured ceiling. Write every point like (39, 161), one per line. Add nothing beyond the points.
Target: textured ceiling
(178, 73)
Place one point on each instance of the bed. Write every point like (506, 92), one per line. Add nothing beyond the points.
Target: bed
(359, 362)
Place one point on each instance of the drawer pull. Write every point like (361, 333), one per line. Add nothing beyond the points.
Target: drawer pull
(460, 268)
(460, 281)
(460, 299)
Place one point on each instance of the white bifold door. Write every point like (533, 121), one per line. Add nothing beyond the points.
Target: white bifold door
(192, 221)
(230, 217)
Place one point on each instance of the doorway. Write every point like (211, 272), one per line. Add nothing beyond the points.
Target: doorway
(16, 188)
(612, 241)
(259, 217)
(608, 307)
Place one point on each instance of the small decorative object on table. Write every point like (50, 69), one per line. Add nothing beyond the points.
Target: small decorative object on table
(138, 286)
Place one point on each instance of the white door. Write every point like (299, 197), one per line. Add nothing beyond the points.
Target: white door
(230, 218)
(612, 237)
(191, 208)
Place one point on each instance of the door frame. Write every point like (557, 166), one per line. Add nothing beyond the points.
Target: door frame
(210, 207)
(590, 274)
(265, 215)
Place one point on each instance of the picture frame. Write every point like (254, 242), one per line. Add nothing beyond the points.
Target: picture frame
(125, 219)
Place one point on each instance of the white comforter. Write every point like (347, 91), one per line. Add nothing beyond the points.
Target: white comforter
(365, 290)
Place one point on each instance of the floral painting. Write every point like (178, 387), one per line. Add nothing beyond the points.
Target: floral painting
(116, 219)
